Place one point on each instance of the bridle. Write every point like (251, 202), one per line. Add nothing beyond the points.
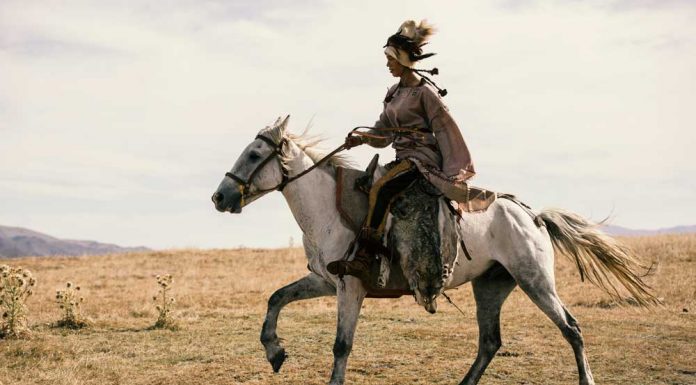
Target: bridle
(245, 185)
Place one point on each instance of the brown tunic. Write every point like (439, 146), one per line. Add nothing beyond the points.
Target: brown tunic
(438, 145)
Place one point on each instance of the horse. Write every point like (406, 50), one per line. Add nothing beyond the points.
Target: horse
(506, 247)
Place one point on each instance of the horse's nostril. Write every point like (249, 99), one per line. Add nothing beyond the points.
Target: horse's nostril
(218, 197)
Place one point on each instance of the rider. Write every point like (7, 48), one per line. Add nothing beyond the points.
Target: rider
(421, 130)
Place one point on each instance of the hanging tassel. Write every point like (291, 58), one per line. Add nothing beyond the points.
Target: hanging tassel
(433, 71)
(442, 92)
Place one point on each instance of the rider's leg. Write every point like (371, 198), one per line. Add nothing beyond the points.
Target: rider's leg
(382, 194)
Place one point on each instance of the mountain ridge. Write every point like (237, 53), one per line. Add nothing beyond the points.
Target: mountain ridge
(624, 231)
(22, 242)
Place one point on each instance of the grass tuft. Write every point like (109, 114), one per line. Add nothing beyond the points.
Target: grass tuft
(69, 301)
(165, 304)
(16, 286)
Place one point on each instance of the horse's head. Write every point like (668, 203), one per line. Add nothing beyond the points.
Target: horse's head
(258, 170)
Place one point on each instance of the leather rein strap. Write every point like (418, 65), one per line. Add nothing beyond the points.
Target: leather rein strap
(245, 185)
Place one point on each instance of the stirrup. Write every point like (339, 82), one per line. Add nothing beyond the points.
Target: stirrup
(356, 267)
(364, 257)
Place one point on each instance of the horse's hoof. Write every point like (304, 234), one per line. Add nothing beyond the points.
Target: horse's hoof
(278, 359)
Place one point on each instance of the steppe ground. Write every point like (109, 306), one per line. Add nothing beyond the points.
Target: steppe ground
(221, 300)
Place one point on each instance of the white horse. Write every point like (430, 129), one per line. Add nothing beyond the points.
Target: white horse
(506, 246)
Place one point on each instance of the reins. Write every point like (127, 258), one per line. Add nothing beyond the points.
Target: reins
(245, 185)
(342, 147)
(315, 165)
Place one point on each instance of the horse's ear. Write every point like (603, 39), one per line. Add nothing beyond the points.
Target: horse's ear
(284, 123)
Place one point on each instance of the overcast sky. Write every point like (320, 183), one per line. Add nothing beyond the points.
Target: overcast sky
(117, 122)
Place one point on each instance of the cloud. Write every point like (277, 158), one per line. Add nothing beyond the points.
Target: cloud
(628, 5)
(611, 5)
(107, 107)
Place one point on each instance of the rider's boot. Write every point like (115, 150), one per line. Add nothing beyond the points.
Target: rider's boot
(368, 249)
(355, 267)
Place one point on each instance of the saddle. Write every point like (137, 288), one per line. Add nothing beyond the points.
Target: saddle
(386, 279)
(352, 191)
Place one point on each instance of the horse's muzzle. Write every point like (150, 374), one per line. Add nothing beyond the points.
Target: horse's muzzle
(230, 202)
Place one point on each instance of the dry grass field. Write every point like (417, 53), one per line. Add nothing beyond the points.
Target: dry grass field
(221, 301)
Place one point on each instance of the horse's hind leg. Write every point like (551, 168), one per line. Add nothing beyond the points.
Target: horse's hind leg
(490, 291)
(539, 286)
(527, 254)
(311, 286)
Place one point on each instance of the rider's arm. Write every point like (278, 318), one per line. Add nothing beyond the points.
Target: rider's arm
(456, 159)
(387, 136)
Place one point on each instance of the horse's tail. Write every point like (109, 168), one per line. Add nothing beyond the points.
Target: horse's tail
(598, 256)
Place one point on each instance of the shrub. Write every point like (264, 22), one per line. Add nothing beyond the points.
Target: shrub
(15, 287)
(165, 303)
(69, 302)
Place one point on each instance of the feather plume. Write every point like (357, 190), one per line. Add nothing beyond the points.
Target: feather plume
(423, 32)
(406, 44)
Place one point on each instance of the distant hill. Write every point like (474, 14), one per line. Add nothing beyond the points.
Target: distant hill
(19, 242)
(623, 231)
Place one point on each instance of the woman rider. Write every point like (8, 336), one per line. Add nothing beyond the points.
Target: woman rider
(421, 130)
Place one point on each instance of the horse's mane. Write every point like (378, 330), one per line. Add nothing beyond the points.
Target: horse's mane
(309, 144)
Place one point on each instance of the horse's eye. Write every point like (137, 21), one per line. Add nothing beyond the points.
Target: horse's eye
(254, 156)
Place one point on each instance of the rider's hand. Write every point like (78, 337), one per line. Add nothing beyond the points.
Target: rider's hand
(353, 141)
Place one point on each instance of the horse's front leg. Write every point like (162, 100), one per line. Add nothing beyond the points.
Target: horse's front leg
(311, 286)
(350, 294)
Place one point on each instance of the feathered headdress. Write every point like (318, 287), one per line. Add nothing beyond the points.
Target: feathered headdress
(406, 46)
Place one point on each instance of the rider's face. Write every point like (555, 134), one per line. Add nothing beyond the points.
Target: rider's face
(395, 68)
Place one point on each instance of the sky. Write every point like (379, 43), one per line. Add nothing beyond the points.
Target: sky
(118, 120)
